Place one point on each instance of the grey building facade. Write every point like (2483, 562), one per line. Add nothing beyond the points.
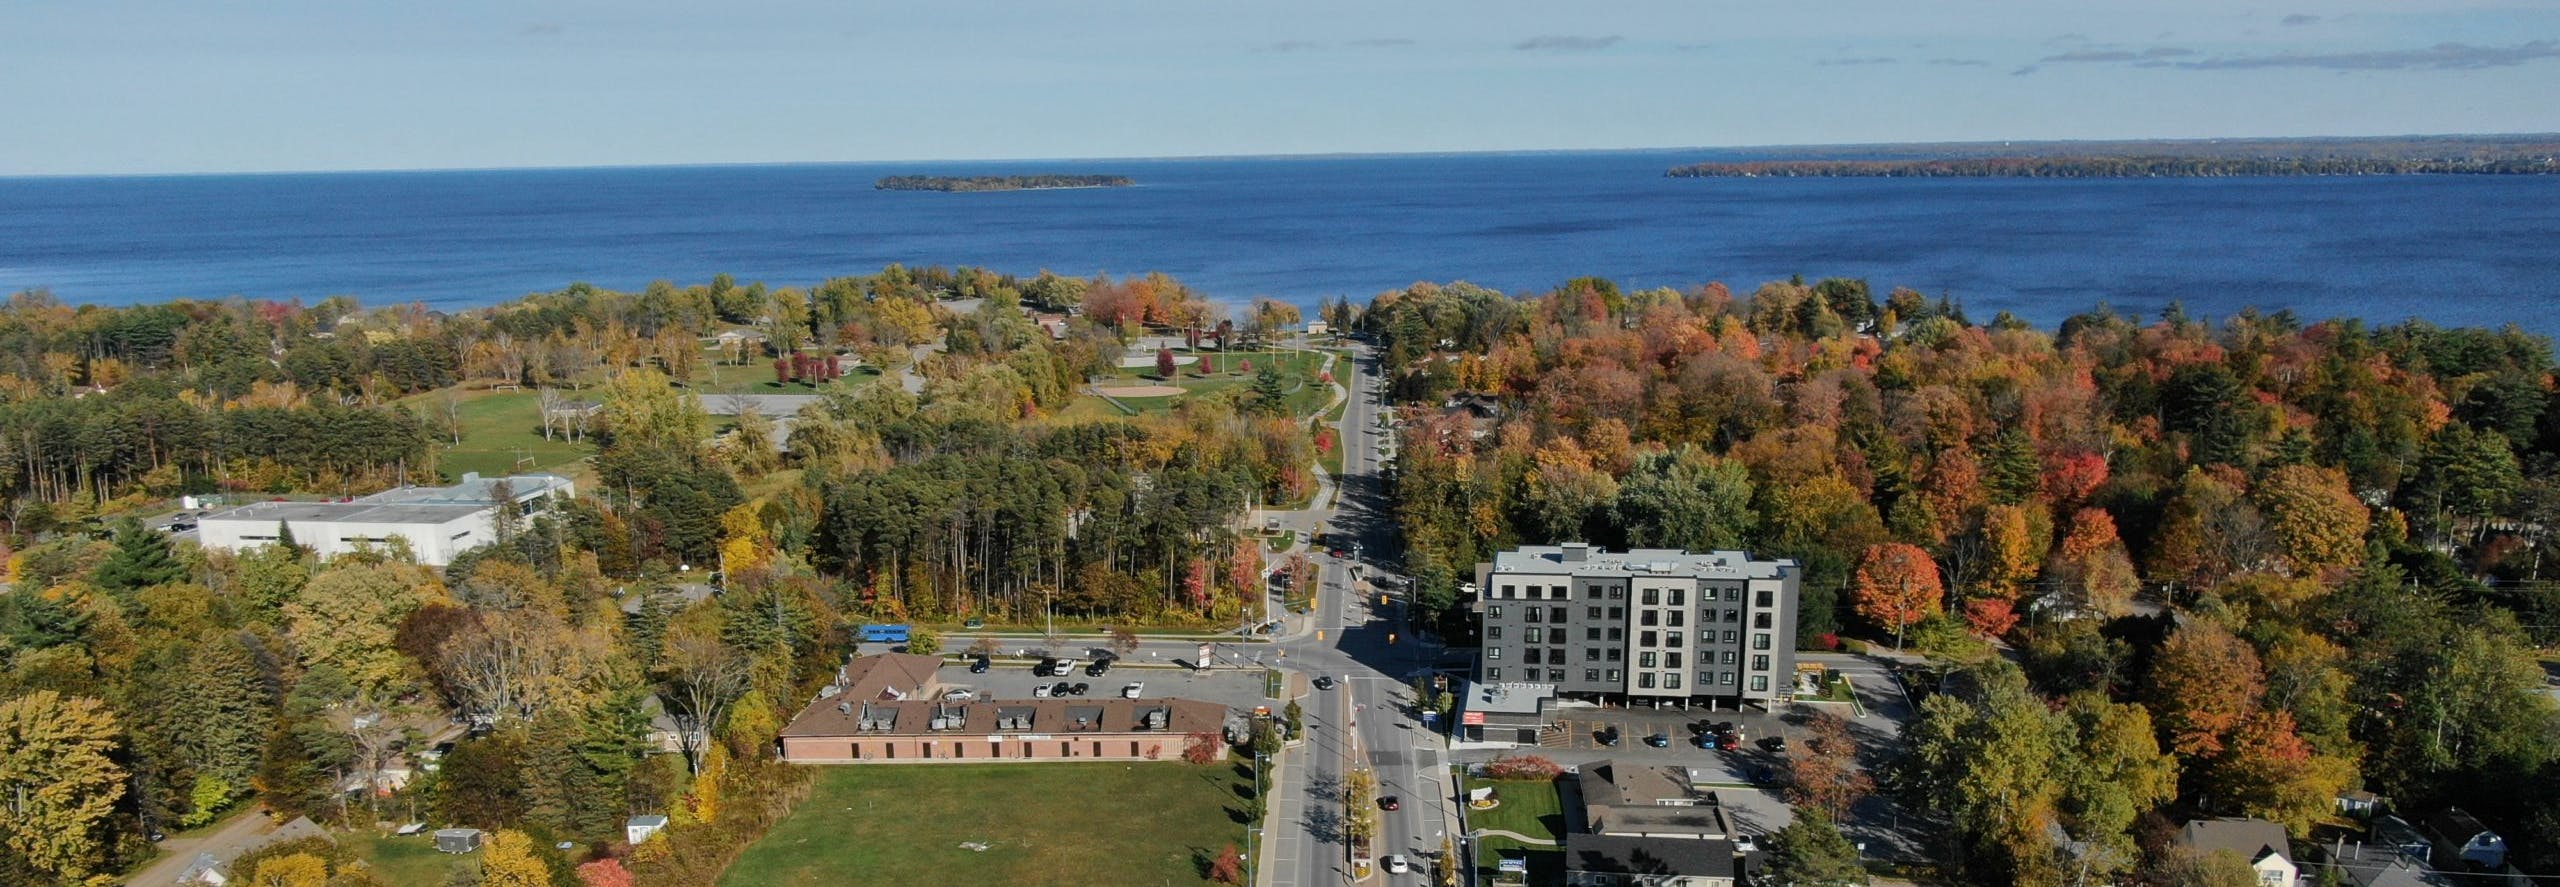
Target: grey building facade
(1655, 624)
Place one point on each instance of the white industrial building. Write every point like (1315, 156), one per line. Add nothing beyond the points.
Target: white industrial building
(436, 522)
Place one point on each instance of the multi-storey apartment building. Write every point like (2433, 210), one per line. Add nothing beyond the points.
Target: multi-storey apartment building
(1652, 624)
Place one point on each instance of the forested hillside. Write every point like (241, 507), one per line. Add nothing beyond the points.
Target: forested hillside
(2230, 566)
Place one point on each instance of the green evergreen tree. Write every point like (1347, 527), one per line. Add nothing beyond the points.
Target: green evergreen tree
(226, 710)
(141, 560)
(1811, 852)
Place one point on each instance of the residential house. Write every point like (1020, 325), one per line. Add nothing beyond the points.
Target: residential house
(1612, 861)
(2260, 843)
(2462, 843)
(2363, 864)
(1638, 801)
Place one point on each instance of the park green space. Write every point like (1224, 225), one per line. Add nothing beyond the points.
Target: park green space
(1298, 371)
(409, 860)
(1040, 823)
(502, 434)
(1530, 808)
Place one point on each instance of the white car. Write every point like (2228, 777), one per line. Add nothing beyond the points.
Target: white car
(961, 695)
(1397, 864)
(1132, 691)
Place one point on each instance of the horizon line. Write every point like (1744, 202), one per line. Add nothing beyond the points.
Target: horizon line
(1314, 155)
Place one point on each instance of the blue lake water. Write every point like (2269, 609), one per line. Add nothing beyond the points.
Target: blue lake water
(2453, 250)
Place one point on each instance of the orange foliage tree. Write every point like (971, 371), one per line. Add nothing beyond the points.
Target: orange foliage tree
(1897, 585)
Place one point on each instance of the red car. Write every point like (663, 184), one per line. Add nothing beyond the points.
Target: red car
(1729, 741)
(1389, 803)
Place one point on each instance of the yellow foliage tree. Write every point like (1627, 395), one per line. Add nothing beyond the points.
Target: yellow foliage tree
(745, 545)
(509, 861)
(296, 870)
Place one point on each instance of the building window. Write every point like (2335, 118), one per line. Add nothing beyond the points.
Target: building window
(1652, 596)
(1529, 614)
(1530, 655)
(1590, 654)
(1679, 617)
(1493, 611)
(1647, 659)
(1731, 657)
(1555, 675)
(1615, 676)
(1617, 634)
(1594, 613)
(1760, 663)
(1555, 655)
(1649, 617)
(1644, 680)
(1592, 592)
(1591, 676)
(1671, 681)
(1539, 636)
(1671, 660)
(1730, 637)
(1759, 641)
(1762, 599)
(1617, 612)
(1493, 632)
(1591, 633)
(1728, 677)
(1536, 593)
(1759, 620)
(1679, 597)
(1759, 683)
(1496, 653)
(1555, 614)
(1617, 593)
(1706, 677)
(1733, 593)
(1732, 617)
(1647, 639)
(1493, 674)
(1617, 655)
(1674, 639)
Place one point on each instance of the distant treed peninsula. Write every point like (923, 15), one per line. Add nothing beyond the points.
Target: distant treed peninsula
(997, 183)
(2418, 155)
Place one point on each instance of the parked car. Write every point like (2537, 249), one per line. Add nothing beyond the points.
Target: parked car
(1078, 688)
(1658, 740)
(1776, 744)
(1607, 736)
(1040, 691)
(1729, 741)
(1133, 690)
(1397, 864)
(1058, 689)
(1047, 666)
(980, 665)
(961, 695)
(1390, 803)
(1324, 682)
(1099, 668)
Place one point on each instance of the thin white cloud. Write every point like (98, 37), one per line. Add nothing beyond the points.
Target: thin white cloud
(2440, 57)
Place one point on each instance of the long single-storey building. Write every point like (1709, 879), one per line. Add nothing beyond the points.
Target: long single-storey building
(435, 523)
(882, 709)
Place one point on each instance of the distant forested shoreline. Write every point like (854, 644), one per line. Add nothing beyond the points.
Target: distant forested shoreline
(997, 183)
(2113, 167)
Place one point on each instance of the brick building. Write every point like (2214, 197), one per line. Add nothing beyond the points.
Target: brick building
(883, 709)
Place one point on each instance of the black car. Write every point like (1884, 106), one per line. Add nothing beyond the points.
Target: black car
(1776, 744)
(1078, 688)
(1047, 667)
(1058, 689)
(1658, 740)
(1324, 682)
(980, 665)
(1099, 668)
(1607, 736)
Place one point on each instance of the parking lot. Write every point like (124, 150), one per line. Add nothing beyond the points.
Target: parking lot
(1239, 689)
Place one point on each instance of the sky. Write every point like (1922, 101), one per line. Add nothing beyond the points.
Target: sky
(180, 86)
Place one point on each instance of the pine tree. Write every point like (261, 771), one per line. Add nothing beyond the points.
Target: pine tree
(141, 560)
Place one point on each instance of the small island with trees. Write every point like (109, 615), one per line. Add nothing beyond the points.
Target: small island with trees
(2420, 155)
(998, 183)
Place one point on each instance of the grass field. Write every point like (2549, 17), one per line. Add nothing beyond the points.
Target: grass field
(757, 378)
(406, 861)
(1298, 372)
(1042, 823)
(500, 427)
(1530, 808)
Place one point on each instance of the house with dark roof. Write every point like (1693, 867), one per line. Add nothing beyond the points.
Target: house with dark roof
(2365, 864)
(1614, 861)
(2259, 843)
(1637, 801)
(2462, 843)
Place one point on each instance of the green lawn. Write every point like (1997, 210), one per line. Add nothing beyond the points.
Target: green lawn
(1042, 823)
(502, 434)
(1530, 808)
(1298, 372)
(406, 861)
(756, 377)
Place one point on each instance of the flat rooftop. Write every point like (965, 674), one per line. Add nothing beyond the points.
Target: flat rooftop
(1550, 560)
(402, 505)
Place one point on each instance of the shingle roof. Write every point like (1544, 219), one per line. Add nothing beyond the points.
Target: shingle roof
(1610, 854)
(2253, 839)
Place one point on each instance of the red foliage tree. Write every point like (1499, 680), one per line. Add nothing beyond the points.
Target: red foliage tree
(606, 872)
(1990, 617)
(1228, 868)
(1523, 767)
(1897, 585)
(1203, 748)
(1164, 363)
